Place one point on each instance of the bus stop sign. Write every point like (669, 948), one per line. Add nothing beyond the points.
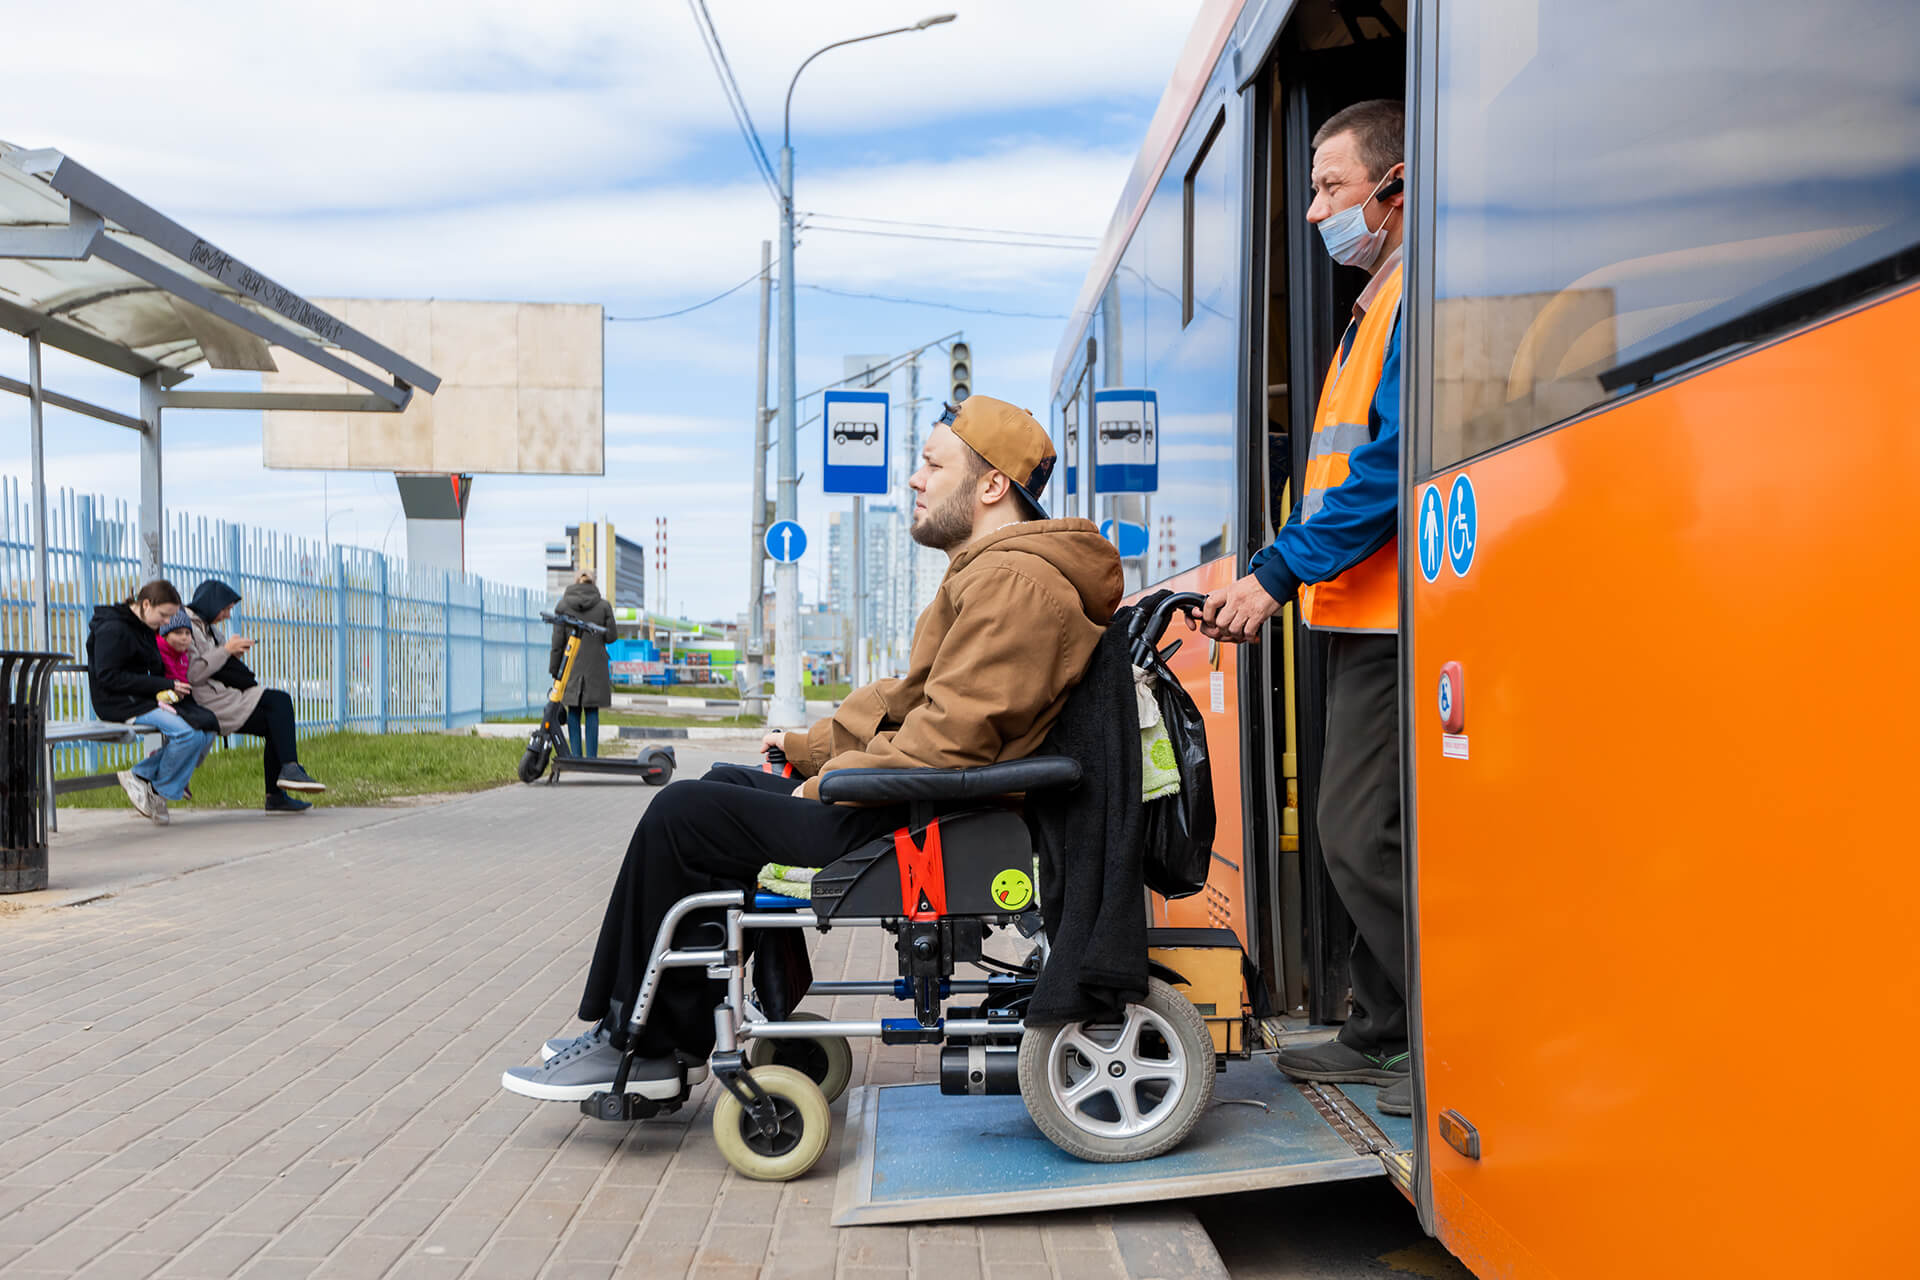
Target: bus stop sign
(1126, 440)
(854, 424)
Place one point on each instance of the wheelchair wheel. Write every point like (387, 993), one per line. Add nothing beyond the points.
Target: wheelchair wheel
(1126, 1088)
(825, 1060)
(805, 1125)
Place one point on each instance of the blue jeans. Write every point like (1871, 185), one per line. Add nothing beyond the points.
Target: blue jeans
(182, 748)
(592, 717)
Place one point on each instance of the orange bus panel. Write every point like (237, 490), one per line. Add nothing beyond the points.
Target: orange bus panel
(1669, 903)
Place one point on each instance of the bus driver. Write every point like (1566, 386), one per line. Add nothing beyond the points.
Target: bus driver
(1338, 551)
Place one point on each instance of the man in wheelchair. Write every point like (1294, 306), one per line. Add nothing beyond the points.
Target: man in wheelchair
(1012, 628)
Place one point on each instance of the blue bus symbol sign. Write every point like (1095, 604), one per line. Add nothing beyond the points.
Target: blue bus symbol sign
(1432, 537)
(786, 541)
(1463, 525)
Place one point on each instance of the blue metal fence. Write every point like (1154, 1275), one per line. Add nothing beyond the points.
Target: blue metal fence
(360, 641)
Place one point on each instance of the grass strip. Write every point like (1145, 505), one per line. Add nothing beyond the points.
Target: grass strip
(358, 768)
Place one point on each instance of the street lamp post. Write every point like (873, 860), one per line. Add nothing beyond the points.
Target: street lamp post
(789, 707)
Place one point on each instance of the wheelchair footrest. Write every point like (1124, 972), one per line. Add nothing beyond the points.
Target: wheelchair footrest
(625, 1107)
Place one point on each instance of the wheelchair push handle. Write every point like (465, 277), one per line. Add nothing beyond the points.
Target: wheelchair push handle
(1187, 602)
(580, 625)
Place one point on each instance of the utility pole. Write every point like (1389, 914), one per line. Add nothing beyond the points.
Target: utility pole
(753, 698)
(789, 709)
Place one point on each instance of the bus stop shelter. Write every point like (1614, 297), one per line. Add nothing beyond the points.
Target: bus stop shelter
(88, 269)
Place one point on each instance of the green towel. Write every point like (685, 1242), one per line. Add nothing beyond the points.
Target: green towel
(1159, 771)
(788, 882)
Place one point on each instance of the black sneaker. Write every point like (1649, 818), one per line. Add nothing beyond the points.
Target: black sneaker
(1396, 1099)
(281, 802)
(294, 778)
(1336, 1063)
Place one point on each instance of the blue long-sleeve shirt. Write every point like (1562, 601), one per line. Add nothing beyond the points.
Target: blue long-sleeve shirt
(1360, 514)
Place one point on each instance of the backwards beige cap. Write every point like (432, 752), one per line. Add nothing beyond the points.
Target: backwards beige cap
(1012, 442)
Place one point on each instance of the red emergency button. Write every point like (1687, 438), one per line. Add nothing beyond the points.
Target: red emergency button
(1453, 699)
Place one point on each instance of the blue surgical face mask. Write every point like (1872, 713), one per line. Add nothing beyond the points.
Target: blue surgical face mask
(1347, 238)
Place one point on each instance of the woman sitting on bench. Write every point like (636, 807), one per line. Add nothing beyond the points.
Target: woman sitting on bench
(128, 682)
(227, 687)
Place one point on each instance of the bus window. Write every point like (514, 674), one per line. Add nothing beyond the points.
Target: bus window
(1626, 189)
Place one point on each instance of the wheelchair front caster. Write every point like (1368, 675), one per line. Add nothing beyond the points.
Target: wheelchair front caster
(1126, 1088)
(804, 1125)
(825, 1060)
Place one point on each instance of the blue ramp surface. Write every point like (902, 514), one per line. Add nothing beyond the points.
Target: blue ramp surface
(915, 1155)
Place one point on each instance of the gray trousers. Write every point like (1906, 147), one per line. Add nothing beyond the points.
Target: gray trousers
(1359, 821)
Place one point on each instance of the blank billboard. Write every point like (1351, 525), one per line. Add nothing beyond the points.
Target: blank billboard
(521, 393)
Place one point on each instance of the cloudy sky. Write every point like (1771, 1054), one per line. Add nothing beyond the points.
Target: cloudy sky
(583, 151)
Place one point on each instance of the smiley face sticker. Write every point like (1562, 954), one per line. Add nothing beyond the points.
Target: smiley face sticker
(1012, 890)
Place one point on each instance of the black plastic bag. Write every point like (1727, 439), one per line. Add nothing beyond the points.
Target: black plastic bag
(1179, 828)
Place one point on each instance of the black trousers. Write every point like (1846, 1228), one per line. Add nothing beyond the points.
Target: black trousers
(1359, 820)
(272, 719)
(696, 837)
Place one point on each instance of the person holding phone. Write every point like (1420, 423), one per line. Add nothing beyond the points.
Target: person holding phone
(224, 685)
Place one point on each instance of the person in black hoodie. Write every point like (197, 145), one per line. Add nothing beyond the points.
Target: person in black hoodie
(128, 682)
(226, 686)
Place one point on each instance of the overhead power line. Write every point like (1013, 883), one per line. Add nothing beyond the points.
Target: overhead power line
(668, 315)
(948, 226)
(915, 235)
(730, 89)
(944, 306)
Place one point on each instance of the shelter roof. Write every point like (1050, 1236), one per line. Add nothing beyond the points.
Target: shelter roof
(104, 276)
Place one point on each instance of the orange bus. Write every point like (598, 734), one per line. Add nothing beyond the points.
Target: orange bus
(1658, 393)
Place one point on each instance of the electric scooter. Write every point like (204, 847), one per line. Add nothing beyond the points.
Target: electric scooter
(548, 745)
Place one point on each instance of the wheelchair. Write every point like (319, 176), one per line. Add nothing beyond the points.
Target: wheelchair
(963, 867)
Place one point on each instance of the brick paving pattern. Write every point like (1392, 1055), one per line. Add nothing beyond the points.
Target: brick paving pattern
(288, 1064)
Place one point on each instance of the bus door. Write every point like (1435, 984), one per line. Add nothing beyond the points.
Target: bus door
(1659, 690)
(1325, 59)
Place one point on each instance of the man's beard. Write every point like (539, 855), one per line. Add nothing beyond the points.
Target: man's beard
(946, 526)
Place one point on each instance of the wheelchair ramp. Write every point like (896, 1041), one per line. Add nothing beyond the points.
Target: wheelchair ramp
(914, 1155)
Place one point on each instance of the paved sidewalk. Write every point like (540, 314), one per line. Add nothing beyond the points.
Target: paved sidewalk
(275, 1049)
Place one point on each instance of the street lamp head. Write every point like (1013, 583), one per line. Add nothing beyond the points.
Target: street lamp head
(934, 21)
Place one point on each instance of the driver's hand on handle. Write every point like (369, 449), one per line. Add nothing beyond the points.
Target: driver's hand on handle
(1236, 613)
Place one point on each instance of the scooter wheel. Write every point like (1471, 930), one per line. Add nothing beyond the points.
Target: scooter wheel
(665, 764)
(825, 1060)
(533, 764)
(805, 1126)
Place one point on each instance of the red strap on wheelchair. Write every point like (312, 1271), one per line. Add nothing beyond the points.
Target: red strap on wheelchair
(923, 874)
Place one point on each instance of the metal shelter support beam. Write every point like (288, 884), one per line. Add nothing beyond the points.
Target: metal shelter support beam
(152, 511)
(42, 601)
(72, 405)
(135, 263)
(316, 401)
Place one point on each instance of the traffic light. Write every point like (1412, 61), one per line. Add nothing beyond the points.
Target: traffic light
(961, 359)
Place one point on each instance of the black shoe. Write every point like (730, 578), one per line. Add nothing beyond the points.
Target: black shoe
(281, 802)
(1336, 1063)
(1396, 1099)
(294, 778)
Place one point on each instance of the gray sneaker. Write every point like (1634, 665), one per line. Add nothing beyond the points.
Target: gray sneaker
(585, 1068)
(1336, 1063)
(1396, 1099)
(139, 791)
(560, 1044)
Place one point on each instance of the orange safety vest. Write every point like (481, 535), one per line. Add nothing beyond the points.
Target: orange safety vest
(1367, 596)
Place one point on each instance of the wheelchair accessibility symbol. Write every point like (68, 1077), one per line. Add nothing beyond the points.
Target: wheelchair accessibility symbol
(1463, 525)
(1012, 889)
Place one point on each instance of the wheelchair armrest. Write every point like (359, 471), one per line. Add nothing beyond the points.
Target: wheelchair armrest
(899, 786)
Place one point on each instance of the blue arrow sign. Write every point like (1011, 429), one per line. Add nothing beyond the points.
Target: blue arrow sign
(1131, 539)
(1432, 540)
(786, 541)
(1463, 524)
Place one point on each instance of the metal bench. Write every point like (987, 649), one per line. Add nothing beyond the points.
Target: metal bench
(67, 733)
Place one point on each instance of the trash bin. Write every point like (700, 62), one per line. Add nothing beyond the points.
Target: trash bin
(23, 768)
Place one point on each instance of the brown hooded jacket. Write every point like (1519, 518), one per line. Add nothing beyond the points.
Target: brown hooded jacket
(1009, 633)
